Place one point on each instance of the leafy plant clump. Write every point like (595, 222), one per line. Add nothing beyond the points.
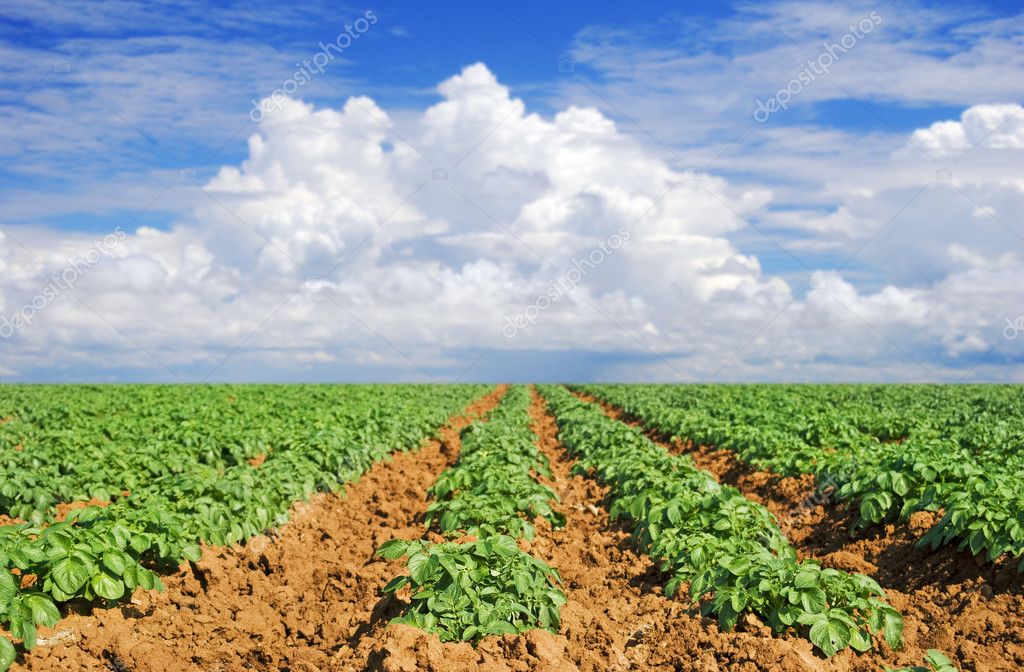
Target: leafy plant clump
(727, 547)
(463, 592)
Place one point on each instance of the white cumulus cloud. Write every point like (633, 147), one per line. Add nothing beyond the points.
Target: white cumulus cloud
(347, 237)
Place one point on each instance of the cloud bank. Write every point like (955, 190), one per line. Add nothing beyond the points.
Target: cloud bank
(349, 240)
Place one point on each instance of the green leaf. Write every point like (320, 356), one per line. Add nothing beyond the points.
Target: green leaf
(392, 550)
(830, 635)
(672, 586)
(506, 544)
(396, 584)
(44, 611)
(115, 562)
(893, 628)
(727, 617)
(806, 579)
(900, 485)
(422, 566)
(58, 594)
(8, 588)
(977, 541)
(522, 583)
(26, 630)
(813, 600)
(939, 661)
(70, 573)
(107, 587)
(139, 543)
(7, 653)
(192, 552)
(149, 580)
(860, 640)
(501, 628)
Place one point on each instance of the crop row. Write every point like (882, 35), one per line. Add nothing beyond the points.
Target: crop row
(727, 548)
(489, 586)
(890, 450)
(492, 488)
(80, 443)
(106, 553)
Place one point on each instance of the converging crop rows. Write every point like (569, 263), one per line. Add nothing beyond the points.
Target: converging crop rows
(890, 450)
(486, 538)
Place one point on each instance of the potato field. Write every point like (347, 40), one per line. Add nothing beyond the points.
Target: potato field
(512, 527)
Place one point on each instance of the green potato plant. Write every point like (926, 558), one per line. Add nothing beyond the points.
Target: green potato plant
(890, 450)
(466, 591)
(329, 437)
(463, 592)
(726, 547)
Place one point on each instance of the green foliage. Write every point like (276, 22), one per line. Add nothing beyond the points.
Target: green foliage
(463, 592)
(891, 450)
(76, 443)
(487, 587)
(196, 485)
(935, 662)
(727, 547)
(491, 489)
(986, 516)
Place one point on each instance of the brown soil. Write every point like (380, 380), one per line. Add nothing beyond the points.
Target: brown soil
(303, 598)
(64, 509)
(968, 608)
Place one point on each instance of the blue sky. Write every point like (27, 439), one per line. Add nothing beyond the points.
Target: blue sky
(823, 243)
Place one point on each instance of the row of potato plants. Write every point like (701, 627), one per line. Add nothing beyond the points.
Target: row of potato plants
(463, 591)
(104, 554)
(80, 443)
(728, 548)
(889, 450)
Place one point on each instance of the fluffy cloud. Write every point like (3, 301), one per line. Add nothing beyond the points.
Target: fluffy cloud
(346, 239)
(991, 126)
